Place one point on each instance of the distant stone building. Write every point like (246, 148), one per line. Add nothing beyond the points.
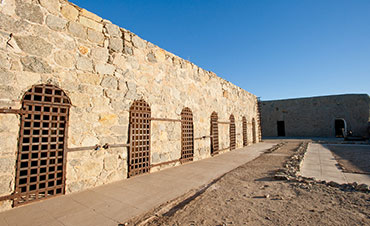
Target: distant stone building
(324, 116)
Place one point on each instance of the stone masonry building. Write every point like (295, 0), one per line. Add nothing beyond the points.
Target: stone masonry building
(84, 102)
(324, 116)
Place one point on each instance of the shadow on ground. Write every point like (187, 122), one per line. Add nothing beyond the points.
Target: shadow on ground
(353, 158)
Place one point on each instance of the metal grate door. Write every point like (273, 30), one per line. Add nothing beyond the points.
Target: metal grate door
(187, 135)
(232, 132)
(214, 133)
(139, 156)
(43, 134)
(245, 138)
(254, 130)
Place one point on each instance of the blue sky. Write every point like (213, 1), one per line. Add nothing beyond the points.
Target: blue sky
(275, 49)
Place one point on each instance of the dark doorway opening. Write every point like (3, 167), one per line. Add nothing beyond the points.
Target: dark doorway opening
(281, 128)
(339, 128)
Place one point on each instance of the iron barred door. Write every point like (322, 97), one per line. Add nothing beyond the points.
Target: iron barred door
(254, 131)
(187, 135)
(214, 133)
(232, 132)
(42, 139)
(139, 156)
(245, 138)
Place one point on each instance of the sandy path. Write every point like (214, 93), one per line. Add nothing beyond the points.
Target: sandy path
(249, 195)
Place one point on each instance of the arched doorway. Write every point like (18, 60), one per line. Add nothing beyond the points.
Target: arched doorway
(139, 155)
(40, 169)
(340, 127)
(245, 137)
(214, 133)
(254, 135)
(232, 132)
(187, 135)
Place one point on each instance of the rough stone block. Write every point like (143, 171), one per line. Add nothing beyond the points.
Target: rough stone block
(84, 63)
(52, 6)
(95, 36)
(7, 95)
(11, 25)
(27, 79)
(160, 55)
(106, 118)
(30, 12)
(119, 61)
(65, 59)
(104, 69)
(35, 64)
(116, 44)
(92, 79)
(113, 30)
(34, 45)
(89, 141)
(91, 24)
(138, 42)
(74, 186)
(5, 185)
(120, 130)
(70, 12)
(90, 89)
(7, 165)
(77, 30)
(131, 93)
(83, 50)
(109, 82)
(113, 95)
(56, 23)
(151, 58)
(15, 65)
(110, 163)
(100, 54)
(5, 205)
(100, 104)
(126, 35)
(90, 15)
(9, 123)
(4, 62)
(124, 118)
(129, 50)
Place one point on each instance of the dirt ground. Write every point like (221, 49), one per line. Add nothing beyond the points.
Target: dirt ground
(249, 195)
(353, 159)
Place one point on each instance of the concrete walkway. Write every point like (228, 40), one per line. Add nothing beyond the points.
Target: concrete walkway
(320, 164)
(118, 202)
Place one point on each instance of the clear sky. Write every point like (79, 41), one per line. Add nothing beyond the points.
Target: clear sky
(275, 49)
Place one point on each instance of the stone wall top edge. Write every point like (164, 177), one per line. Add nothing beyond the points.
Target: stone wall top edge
(362, 95)
(209, 73)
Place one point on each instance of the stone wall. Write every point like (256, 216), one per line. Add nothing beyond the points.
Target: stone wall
(103, 68)
(315, 117)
